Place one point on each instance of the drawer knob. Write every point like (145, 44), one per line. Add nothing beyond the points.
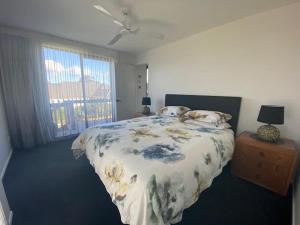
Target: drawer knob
(261, 154)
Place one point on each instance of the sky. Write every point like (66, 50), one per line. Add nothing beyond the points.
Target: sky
(63, 66)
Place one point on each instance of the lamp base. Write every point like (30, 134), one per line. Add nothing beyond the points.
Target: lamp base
(268, 133)
(146, 110)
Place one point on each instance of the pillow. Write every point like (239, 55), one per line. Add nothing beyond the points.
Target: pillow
(173, 110)
(213, 117)
(208, 125)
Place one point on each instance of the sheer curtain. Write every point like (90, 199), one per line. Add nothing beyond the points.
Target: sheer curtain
(81, 88)
(24, 88)
(5, 216)
(3, 220)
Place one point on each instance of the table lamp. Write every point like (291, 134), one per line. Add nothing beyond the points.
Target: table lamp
(270, 114)
(145, 102)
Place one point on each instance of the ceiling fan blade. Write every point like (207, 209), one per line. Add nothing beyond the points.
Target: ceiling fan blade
(118, 23)
(103, 10)
(107, 13)
(134, 30)
(115, 39)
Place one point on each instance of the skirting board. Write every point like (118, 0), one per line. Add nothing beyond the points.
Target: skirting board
(5, 164)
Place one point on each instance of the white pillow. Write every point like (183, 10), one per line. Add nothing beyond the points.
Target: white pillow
(212, 117)
(173, 110)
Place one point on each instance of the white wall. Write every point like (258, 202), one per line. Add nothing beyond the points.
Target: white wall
(257, 58)
(5, 151)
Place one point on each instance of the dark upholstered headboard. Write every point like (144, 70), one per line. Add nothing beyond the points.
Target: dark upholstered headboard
(224, 104)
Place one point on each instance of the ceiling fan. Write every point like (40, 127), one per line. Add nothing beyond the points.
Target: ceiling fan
(127, 28)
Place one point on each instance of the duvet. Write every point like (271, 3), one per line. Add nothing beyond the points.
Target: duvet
(155, 167)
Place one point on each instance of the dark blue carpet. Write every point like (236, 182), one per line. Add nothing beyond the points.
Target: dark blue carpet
(46, 186)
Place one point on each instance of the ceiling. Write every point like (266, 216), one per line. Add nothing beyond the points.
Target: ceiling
(176, 19)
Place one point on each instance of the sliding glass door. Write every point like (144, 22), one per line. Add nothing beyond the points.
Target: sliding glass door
(81, 90)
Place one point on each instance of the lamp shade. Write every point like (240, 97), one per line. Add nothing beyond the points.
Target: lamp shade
(271, 114)
(146, 101)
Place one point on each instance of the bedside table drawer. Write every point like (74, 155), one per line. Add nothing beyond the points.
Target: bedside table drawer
(281, 158)
(262, 155)
(270, 175)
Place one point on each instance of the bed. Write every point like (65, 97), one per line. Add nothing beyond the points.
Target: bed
(155, 167)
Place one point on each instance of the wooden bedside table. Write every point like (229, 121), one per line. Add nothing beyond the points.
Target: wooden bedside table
(266, 164)
(139, 114)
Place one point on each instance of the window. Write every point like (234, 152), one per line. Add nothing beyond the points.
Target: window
(80, 90)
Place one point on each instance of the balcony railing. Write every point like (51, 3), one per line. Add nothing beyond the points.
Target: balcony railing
(73, 116)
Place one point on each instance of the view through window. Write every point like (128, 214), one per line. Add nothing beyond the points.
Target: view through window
(80, 90)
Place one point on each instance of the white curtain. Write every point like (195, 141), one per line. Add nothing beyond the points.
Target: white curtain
(24, 87)
(4, 207)
(3, 220)
(81, 89)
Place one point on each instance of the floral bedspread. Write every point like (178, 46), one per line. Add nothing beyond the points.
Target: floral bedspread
(155, 167)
